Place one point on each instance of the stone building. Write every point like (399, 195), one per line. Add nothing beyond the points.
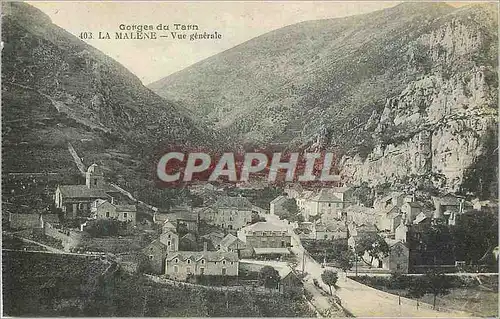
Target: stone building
(76, 200)
(156, 253)
(180, 264)
(265, 235)
(103, 209)
(231, 213)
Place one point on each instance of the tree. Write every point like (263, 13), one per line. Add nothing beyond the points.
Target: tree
(330, 278)
(436, 283)
(475, 236)
(291, 211)
(269, 277)
(374, 245)
(344, 260)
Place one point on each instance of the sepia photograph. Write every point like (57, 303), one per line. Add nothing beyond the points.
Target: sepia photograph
(249, 159)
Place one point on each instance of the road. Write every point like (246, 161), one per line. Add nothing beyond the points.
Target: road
(361, 300)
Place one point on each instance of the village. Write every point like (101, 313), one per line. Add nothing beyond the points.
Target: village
(224, 239)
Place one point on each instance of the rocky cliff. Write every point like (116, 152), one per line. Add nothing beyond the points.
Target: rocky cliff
(439, 125)
(406, 94)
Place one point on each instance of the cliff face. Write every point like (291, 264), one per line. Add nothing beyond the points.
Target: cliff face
(403, 95)
(438, 126)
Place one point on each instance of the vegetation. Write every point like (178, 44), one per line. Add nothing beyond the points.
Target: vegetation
(291, 211)
(107, 227)
(331, 250)
(330, 278)
(374, 245)
(269, 277)
(52, 285)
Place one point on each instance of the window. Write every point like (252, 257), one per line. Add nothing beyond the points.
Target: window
(168, 243)
(176, 260)
(151, 256)
(189, 261)
(107, 214)
(125, 215)
(176, 269)
(224, 271)
(232, 263)
(169, 236)
(398, 266)
(203, 261)
(223, 262)
(329, 205)
(95, 181)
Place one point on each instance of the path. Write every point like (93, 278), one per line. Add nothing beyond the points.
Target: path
(77, 159)
(359, 299)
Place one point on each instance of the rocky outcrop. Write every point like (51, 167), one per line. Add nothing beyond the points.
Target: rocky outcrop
(437, 126)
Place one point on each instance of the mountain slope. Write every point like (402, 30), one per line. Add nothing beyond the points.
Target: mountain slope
(56, 90)
(336, 84)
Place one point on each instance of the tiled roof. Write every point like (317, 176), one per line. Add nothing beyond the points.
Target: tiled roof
(326, 195)
(278, 199)
(265, 226)
(268, 251)
(414, 204)
(233, 202)
(448, 200)
(214, 237)
(82, 191)
(207, 255)
(126, 208)
(229, 240)
(333, 227)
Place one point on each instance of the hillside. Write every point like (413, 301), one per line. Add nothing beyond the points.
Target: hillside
(51, 285)
(365, 86)
(56, 90)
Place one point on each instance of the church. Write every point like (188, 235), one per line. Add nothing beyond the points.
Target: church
(76, 200)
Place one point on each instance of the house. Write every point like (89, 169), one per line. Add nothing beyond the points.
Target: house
(289, 281)
(327, 200)
(188, 242)
(423, 217)
(231, 213)
(396, 261)
(359, 230)
(265, 235)
(231, 243)
(277, 205)
(76, 200)
(401, 233)
(213, 239)
(389, 219)
(293, 190)
(156, 252)
(170, 238)
(449, 207)
(332, 230)
(103, 209)
(180, 264)
(411, 210)
(184, 221)
(390, 200)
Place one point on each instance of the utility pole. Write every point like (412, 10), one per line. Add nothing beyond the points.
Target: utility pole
(303, 261)
(356, 258)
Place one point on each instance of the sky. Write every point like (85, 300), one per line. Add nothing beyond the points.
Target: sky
(152, 60)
